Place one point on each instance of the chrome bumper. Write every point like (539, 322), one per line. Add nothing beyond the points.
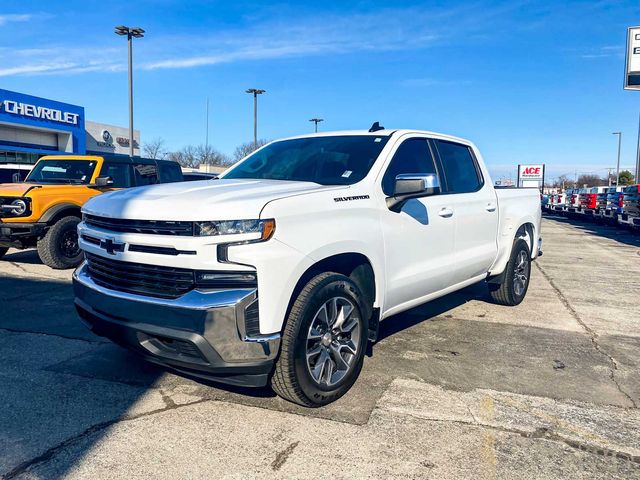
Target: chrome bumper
(202, 333)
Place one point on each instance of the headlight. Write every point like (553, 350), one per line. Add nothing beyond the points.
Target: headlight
(236, 227)
(18, 207)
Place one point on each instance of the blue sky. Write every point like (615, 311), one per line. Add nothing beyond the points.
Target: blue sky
(528, 81)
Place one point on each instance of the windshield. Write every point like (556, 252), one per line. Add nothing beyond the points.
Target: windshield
(339, 160)
(62, 171)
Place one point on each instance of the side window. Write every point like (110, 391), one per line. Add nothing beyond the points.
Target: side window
(120, 173)
(170, 172)
(459, 167)
(412, 156)
(145, 174)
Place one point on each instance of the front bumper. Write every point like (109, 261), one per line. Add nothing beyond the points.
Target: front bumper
(20, 235)
(630, 220)
(202, 334)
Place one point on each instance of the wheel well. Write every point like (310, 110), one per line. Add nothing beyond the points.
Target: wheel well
(353, 265)
(526, 231)
(54, 215)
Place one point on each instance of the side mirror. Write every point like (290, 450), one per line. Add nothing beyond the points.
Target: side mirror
(104, 181)
(412, 185)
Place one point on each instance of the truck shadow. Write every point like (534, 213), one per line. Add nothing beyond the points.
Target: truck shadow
(429, 311)
(29, 257)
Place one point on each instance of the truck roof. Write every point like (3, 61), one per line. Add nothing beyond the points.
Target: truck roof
(112, 158)
(387, 132)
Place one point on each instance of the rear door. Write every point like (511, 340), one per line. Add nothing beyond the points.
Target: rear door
(475, 208)
(418, 240)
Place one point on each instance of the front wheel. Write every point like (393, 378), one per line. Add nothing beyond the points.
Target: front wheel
(323, 342)
(59, 247)
(515, 284)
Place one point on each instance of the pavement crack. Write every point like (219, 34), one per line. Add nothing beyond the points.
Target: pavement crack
(168, 401)
(593, 335)
(50, 453)
(19, 267)
(283, 456)
(545, 434)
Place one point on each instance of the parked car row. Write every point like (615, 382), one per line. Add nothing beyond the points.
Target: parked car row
(611, 205)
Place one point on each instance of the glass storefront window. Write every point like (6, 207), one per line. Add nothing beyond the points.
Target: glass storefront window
(19, 157)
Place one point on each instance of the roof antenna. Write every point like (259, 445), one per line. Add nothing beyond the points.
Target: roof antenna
(375, 127)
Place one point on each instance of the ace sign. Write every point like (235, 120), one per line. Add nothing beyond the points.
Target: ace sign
(530, 175)
(632, 71)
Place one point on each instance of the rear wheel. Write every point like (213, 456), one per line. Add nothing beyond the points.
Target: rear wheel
(323, 342)
(59, 247)
(515, 284)
(3, 250)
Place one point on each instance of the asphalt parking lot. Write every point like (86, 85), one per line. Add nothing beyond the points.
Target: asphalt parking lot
(458, 388)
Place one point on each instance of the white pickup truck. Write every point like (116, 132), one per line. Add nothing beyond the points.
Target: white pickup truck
(280, 271)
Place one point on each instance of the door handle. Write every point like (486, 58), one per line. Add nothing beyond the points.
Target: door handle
(491, 207)
(446, 212)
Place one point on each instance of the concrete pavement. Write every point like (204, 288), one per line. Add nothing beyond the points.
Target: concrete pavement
(458, 388)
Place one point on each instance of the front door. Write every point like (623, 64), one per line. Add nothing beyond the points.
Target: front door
(418, 240)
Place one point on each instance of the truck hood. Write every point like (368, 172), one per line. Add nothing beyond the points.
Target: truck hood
(35, 189)
(14, 189)
(192, 201)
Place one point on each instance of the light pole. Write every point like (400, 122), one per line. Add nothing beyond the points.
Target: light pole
(255, 92)
(618, 164)
(131, 33)
(316, 121)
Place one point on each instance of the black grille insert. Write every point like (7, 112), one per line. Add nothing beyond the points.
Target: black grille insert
(160, 281)
(141, 279)
(153, 227)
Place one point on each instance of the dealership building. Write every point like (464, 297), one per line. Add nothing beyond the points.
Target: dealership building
(31, 127)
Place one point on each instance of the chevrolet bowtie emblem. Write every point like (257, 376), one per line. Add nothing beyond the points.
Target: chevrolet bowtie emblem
(111, 247)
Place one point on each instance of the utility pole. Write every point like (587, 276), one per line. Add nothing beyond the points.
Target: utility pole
(619, 134)
(206, 138)
(316, 121)
(255, 92)
(131, 33)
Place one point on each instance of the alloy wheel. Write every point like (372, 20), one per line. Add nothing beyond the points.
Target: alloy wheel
(521, 273)
(333, 341)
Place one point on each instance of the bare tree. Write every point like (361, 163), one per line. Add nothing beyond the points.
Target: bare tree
(186, 157)
(590, 180)
(245, 149)
(210, 156)
(194, 156)
(154, 149)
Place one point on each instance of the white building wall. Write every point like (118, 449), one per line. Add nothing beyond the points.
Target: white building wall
(105, 138)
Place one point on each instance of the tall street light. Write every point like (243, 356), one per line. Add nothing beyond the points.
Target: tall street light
(618, 165)
(255, 92)
(131, 33)
(316, 121)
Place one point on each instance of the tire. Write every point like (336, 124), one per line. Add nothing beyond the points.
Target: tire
(309, 371)
(59, 247)
(514, 287)
(3, 250)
